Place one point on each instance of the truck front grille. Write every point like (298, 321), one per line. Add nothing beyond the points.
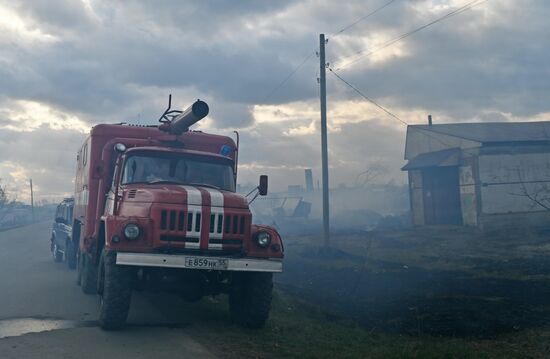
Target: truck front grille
(226, 231)
(172, 220)
(234, 224)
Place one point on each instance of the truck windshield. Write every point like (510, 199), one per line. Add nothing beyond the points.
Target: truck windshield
(161, 168)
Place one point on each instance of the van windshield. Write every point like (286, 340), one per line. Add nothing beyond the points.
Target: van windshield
(179, 169)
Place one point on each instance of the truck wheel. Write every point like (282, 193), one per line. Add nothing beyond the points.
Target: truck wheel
(250, 298)
(88, 275)
(57, 254)
(70, 254)
(115, 292)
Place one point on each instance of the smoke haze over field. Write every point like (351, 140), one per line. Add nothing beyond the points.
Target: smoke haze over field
(68, 65)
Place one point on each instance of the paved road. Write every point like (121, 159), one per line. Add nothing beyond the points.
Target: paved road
(37, 294)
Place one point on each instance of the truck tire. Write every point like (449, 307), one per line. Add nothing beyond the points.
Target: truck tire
(70, 254)
(115, 292)
(88, 275)
(78, 269)
(57, 254)
(250, 298)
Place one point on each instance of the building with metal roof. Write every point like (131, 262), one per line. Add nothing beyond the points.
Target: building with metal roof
(479, 174)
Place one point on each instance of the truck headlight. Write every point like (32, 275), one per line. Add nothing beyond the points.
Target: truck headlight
(263, 239)
(131, 231)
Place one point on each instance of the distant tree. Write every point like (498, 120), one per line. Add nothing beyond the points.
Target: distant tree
(3, 196)
(537, 193)
(372, 171)
(6, 205)
(539, 196)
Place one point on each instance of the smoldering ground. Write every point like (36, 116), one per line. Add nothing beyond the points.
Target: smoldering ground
(446, 281)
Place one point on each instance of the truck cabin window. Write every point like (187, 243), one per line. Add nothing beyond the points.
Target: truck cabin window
(176, 169)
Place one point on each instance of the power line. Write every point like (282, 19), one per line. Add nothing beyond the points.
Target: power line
(276, 88)
(302, 63)
(412, 32)
(391, 42)
(407, 34)
(345, 28)
(457, 11)
(388, 112)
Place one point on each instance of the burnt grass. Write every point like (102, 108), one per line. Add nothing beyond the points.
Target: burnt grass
(393, 284)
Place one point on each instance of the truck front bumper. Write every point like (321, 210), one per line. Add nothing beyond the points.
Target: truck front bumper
(199, 262)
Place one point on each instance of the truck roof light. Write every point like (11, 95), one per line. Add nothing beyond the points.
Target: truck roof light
(120, 147)
(226, 150)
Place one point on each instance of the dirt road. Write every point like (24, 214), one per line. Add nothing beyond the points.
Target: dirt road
(40, 296)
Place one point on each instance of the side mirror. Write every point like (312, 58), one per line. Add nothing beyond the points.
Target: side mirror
(262, 188)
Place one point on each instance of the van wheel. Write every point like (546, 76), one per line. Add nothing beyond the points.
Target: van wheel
(250, 298)
(57, 254)
(70, 254)
(88, 275)
(115, 292)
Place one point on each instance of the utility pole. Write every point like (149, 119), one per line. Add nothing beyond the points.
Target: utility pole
(32, 201)
(324, 147)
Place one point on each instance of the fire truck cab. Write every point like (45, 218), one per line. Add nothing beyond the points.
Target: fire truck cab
(156, 208)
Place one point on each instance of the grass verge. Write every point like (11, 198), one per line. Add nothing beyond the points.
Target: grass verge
(298, 329)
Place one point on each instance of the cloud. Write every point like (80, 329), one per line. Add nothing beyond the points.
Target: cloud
(67, 65)
(468, 63)
(16, 28)
(46, 155)
(30, 115)
(352, 149)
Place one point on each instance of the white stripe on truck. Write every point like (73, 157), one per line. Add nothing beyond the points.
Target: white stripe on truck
(216, 208)
(194, 196)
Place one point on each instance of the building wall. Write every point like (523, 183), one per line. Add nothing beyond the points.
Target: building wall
(420, 141)
(468, 193)
(468, 197)
(505, 175)
(492, 179)
(416, 197)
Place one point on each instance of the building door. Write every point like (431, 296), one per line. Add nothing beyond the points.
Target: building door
(441, 194)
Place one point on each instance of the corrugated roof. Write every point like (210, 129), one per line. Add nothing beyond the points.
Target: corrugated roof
(431, 159)
(493, 131)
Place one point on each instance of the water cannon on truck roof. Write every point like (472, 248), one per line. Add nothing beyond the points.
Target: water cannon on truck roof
(156, 206)
(177, 122)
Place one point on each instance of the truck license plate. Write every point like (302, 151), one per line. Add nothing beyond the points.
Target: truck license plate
(205, 263)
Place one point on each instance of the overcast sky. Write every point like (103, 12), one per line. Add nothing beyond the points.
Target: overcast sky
(66, 65)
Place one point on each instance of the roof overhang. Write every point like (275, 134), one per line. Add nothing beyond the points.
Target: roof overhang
(447, 157)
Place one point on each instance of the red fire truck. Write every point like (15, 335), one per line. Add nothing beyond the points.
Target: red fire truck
(156, 208)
